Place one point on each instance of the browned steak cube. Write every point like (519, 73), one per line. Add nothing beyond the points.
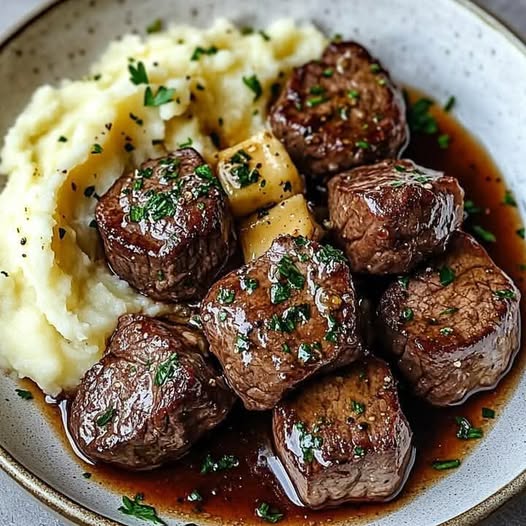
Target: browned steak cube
(340, 112)
(282, 318)
(166, 227)
(391, 216)
(151, 396)
(454, 326)
(344, 438)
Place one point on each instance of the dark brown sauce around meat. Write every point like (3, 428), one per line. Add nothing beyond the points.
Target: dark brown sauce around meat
(232, 496)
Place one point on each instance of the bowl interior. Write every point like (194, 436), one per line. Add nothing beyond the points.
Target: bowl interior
(442, 47)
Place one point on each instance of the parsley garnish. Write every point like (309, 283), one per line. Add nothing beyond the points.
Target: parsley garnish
(155, 26)
(446, 331)
(253, 84)
(316, 101)
(407, 314)
(450, 104)
(419, 118)
(466, 431)
(505, 294)
(306, 351)
(279, 292)
(441, 465)
(447, 276)
(242, 343)
(25, 395)
(200, 51)
(483, 234)
(187, 143)
(471, 208)
(334, 328)
(62, 139)
(226, 296)
(308, 442)
(240, 169)
(449, 311)
(359, 451)
(521, 233)
(357, 407)
(327, 254)
(289, 271)
(106, 417)
(96, 148)
(138, 74)
(249, 284)
(290, 318)
(509, 199)
(363, 144)
(166, 370)
(443, 141)
(163, 96)
(195, 496)
(403, 281)
(136, 509)
(225, 462)
(268, 514)
(488, 413)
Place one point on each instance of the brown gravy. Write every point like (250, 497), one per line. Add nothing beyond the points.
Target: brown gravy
(233, 495)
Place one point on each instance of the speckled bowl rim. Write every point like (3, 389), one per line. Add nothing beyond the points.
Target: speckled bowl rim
(78, 514)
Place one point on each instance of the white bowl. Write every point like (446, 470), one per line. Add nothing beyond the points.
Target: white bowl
(442, 47)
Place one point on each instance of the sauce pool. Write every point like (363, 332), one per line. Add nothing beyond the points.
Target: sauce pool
(232, 496)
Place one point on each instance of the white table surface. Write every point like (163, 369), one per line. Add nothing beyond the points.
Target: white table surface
(18, 508)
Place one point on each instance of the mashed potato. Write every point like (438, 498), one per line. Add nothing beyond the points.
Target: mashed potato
(59, 301)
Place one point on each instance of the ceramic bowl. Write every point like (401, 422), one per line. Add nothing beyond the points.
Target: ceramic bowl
(439, 46)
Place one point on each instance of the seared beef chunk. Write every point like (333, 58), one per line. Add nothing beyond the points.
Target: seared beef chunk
(339, 112)
(282, 318)
(150, 398)
(344, 437)
(454, 326)
(166, 227)
(391, 216)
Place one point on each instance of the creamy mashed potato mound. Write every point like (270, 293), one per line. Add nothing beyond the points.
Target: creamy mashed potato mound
(59, 301)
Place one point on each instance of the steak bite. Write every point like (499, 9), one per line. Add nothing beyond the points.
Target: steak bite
(454, 326)
(339, 112)
(166, 227)
(344, 438)
(391, 216)
(282, 318)
(150, 397)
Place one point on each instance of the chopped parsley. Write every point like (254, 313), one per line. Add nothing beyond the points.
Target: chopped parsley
(317, 90)
(269, 514)
(25, 395)
(106, 417)
(521, 233)
(328, 73)
(240, 169)
(195, 496)
(312, 102)
(407, 314)
(62, 139)
(488, 413)
(163, 96)
(443, 141)
(187, 143)
(327, 254)
(242, 343)
(441, 465)
(286, 348)
(279, 292)
(357, 407)
(353, 94)
(289, 271)
(200, 51)
(308, 442)
(471, 208)
(225, 462)
(334, 329)
(226, 296)
(505, 294)
(403, 281)
(138, 74)
(420, 119)
(509, 199)
(155, 26)
(254, 85)
(249, 284)
(446, 331)
(166, 370)
(466, 431)
(447, 276)
(290, 318)
(484, 234)
(448, 106)
(375, 68)
(97, 148)
(363, 144)
(306, 352)
(135, 508)
(449, 311)
(359, 451)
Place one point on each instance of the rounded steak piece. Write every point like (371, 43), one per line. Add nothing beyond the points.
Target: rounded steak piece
(166, 227)
(151, 396)
(340, 112)
(344, 438)
(282, 318)
(453, 327)
(393, 215)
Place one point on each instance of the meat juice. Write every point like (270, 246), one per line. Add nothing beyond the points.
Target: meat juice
(232, 496)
